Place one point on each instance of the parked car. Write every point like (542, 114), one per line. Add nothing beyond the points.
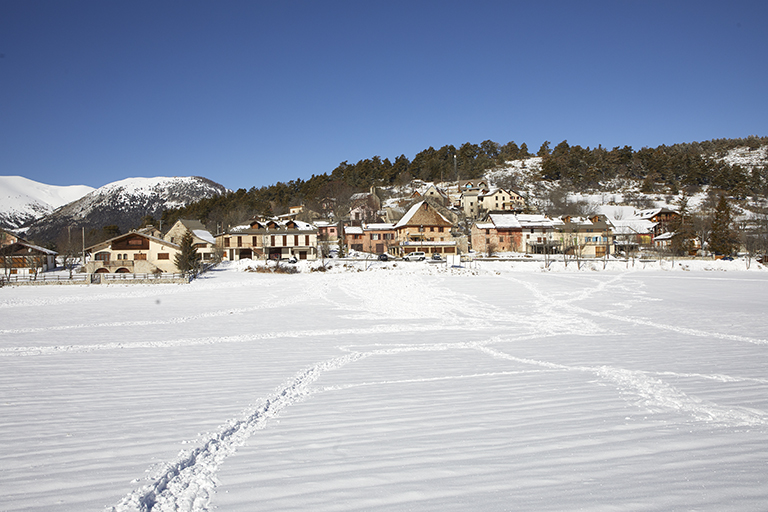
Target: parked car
(436, 257)
(415, 256)
(383, 257)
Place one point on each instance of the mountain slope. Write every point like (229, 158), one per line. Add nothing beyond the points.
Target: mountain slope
(23, 200)
(123, 203)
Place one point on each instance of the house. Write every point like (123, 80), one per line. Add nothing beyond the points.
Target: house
(136, 252)
(663, 218)
(423, 228)
(365, 207)
(7, 238)
(17, 256)
(497, 233)
(376, 238)
(202, 239)
(500, 200)
(540, 234)
(479, 184)
(587, 237)
(437, 195)
(632, 234)
(272, 238)
(511, 232)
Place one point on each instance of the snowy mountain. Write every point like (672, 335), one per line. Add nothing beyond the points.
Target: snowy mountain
(123, 203)
(23, 200)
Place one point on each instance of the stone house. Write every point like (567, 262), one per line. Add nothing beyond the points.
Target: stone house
(423, 228)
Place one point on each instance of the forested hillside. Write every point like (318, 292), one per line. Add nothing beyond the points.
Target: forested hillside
(664, 169)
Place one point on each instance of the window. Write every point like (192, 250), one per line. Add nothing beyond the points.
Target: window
(306, 240)
(440, 229)
(272, 240)
(487, 231)
(295, 240)
(285, 240)
(432, 228)
(239, 241)
(254, 241)
(226, 242)
(163, 256)
(139, 257)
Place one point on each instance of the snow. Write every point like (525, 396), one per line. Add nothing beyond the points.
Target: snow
(391, 386)
(22, 199)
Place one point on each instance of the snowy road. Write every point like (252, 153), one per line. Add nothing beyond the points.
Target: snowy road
(402, 388)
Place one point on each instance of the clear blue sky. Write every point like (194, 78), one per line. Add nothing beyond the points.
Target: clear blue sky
(251, 93)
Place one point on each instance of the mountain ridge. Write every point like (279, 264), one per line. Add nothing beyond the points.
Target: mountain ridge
(123, 204)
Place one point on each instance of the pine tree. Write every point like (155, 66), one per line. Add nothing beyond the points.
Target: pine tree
(682, 227)
(187, 261)
(723, 238)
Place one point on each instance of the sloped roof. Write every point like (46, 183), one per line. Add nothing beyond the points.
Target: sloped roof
(632, 226)
(151, 238)
(504, 220)
(23, 243)
(422, 214)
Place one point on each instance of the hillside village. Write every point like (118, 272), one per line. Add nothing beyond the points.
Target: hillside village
(507, 212)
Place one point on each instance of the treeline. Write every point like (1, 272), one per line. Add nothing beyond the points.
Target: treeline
(447, 163)
(665, 169)
(668, 169)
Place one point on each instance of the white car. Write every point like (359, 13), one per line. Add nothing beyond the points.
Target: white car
(415, 256)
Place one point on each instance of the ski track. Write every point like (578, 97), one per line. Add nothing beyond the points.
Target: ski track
(177, 320)
(188, 483)
(548, 305)
(137, 291)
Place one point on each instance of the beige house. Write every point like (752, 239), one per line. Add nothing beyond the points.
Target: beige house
(202, 239)
(273, 239)
(591, 237)
(134, 253)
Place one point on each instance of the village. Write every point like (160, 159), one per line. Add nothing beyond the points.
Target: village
(469, 219)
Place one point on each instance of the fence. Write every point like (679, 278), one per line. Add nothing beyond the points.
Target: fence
(80, 279)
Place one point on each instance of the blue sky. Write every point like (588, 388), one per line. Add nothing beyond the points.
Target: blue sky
(251, 93)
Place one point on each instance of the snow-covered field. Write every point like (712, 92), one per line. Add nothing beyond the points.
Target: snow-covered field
(408, 387)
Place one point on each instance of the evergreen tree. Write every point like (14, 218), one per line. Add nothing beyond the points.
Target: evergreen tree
(187, 261)
(723, 239)
(682, 227)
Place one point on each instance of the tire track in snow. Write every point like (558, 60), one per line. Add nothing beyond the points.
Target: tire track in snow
(187, 484)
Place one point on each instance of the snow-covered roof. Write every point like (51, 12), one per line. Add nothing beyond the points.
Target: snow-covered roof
(504, 220)
(204, 234)
(412, 211)
(379, 226)
(353, 230)
(632, 226)
(530, 220)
